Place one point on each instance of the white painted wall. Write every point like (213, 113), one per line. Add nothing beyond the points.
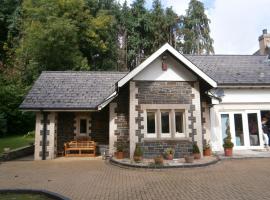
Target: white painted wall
(175, 72)
(215, 112)
(247, 95)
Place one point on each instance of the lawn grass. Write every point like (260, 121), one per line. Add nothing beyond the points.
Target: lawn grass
(14, 142)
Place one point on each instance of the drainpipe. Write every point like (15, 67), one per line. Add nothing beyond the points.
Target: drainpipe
(44, 136)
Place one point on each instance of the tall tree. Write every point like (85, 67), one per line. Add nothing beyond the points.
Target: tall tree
(8, 12)
(164, 24)
(138, 44)
(63, 35)
(195, 30)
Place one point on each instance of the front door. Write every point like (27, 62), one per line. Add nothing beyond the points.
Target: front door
(244, 127)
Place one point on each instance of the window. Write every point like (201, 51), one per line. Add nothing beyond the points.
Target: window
(83, 126)
(165, 122)
(179, 122)
(151, 122)
(225, 125)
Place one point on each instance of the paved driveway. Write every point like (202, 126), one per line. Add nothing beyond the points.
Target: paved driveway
(84, 179)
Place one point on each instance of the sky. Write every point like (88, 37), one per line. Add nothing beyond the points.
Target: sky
(235, 24)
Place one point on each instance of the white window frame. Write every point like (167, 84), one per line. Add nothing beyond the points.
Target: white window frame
(151, 135)
(245, 128)
(166, 135)
(172, 108)
(183, 134)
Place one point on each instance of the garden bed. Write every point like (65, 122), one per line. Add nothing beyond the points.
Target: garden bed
(175, 163)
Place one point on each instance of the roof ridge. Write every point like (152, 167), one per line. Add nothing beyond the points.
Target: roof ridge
(225, 55)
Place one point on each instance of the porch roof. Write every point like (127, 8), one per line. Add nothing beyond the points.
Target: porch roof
(70, 90)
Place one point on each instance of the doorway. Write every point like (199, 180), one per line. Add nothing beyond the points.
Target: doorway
(244, 126)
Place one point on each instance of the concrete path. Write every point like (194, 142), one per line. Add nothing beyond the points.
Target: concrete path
(94, 179)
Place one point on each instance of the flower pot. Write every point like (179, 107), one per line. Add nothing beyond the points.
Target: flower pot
(169, 157)
(228, 151)
(137, 158)
(207, 152)
(158, 160)
(197, 155)
(189, 159)
(119, 155)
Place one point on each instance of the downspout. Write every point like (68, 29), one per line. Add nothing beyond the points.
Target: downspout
(44, 136)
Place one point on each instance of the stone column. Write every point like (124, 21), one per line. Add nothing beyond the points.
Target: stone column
(196, 102)
(112, 127)
(50, 145)
(133, 114)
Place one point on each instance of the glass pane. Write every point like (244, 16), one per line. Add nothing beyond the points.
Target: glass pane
(83, 126)
(165, 125)
(179, 122)
(239, 133)
(151, 122)
(225, 124)
(253, 129)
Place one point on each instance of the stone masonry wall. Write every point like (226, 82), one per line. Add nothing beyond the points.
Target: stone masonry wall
(51, 135)
(100, 126)
(154, 148)
(65, 129)
(163, 92)
(122, 118)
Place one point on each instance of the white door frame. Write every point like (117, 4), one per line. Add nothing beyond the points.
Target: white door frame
(245, 128)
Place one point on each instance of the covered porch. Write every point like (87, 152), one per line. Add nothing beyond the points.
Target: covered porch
(83, 133)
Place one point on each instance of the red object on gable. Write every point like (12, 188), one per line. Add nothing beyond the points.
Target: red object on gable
(164, 66)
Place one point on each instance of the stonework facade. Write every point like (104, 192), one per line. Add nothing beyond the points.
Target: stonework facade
(51, 135)
(167, 95)
(206, 122)
(65, 129)
(121, 119)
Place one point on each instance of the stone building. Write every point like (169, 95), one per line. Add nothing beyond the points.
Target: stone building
(169, 100)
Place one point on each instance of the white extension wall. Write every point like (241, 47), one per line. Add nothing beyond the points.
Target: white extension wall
(242, 100)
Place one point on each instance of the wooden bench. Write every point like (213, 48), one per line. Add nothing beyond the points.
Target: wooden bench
(80, 148)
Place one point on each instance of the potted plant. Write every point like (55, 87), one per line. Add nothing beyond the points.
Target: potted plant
(207, 149)
(228, 144)
(196, 151)
(169, 153)
(189, 158)
(138, 153)
(158, 160)
(120, 151)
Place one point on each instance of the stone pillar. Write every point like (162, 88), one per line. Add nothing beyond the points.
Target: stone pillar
(51, 136)
(197, 129)
(112, 127)
(133, 114)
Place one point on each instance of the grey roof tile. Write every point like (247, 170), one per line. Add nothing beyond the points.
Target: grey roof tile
(234, 69)
(73, 90)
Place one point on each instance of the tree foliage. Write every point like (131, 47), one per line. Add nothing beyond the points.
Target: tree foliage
(37, 35)
(195, 30)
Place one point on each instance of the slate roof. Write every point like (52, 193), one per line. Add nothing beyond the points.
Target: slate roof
(86, 90)
(234, 69)
(71, 90)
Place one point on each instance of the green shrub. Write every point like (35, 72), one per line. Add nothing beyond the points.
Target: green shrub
(169, 151)
(228, 141)
(195, 148)
(138, 151)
